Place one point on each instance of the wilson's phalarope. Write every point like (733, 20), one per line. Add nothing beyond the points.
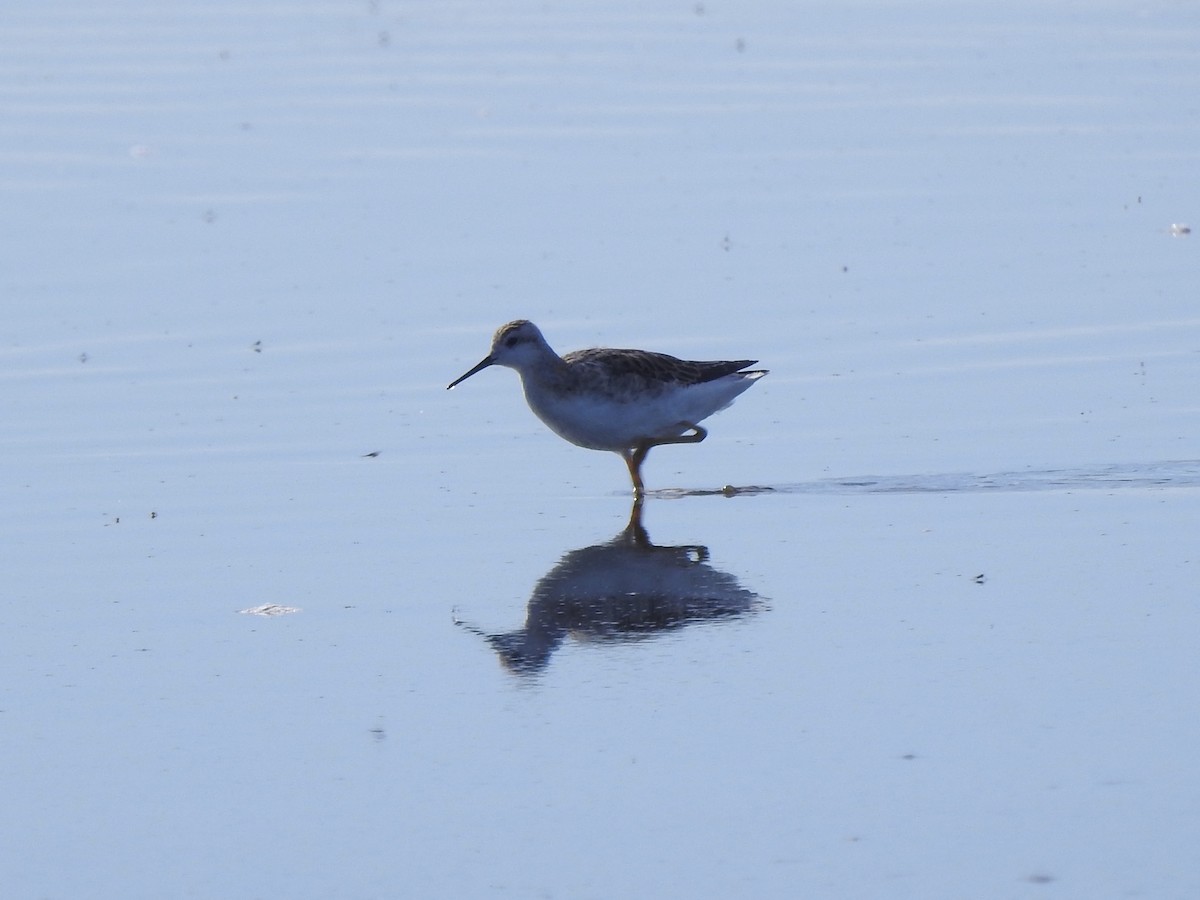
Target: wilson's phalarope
(625, 401)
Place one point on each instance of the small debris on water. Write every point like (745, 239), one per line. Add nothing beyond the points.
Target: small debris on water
(269, 609)
(731, 491)
(1178, 229)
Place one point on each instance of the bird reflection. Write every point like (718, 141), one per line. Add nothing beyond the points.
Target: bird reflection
(622, 590)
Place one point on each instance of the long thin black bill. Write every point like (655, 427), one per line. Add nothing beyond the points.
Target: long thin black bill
(482, 365)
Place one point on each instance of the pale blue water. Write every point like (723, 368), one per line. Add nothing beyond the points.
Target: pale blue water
(949, 652)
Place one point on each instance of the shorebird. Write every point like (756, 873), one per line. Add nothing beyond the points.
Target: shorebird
(624, 401)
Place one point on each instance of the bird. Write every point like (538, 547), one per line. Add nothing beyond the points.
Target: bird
(623, 401)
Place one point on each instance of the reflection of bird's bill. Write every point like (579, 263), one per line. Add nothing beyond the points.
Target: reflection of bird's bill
(524, 651)
(483, 364)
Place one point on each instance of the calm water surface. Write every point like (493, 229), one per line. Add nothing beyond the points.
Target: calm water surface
(949, 651)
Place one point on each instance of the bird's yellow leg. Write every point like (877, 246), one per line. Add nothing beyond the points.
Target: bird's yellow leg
(635, 456)
(698, 434)
(633, 459)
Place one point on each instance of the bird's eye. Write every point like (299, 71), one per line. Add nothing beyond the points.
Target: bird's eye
(511, 342)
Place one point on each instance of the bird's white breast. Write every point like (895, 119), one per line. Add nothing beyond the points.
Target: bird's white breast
(600, 421)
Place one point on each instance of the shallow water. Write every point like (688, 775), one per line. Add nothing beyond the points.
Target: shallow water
(285, 618)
